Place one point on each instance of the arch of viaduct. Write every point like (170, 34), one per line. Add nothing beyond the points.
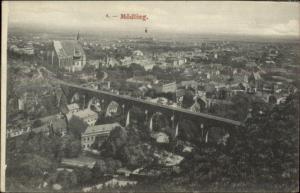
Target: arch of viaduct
(175, 115)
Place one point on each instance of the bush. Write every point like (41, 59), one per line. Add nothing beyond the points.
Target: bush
(77, 126)
(84, 175)
(71, 146)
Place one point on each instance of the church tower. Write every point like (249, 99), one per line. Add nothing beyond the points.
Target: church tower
(78, 37)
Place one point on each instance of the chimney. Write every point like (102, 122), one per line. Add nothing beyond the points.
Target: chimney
(78, 36)
(108, 84)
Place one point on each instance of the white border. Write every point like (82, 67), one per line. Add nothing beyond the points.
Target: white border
(4, 21)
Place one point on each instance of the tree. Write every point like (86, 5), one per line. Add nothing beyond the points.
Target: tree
(241, 104)
(99, 74)
(117, 138)
(151, 93)
(77, 126)
(137, 116)
(33, 166)
(112, 165)
(160, 123)
(36, 123)
(188, 131)
(99, 169)
(29, 157)
(84, 175)
(157, 70)
(88, 69)
(66, 179)
(71, 146)
(136, 69)
(262, 155)
(269, 147)
(188, 99)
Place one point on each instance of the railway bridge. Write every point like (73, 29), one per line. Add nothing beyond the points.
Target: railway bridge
(205, 124)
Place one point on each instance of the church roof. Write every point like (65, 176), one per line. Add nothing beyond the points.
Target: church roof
(66, 48)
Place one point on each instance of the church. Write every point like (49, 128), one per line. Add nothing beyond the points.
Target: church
(68, 55)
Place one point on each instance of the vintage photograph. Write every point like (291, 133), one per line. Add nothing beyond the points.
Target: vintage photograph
(142, 96)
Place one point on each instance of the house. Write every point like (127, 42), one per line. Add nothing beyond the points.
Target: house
(87, 115)
(90, 134)
(124, 172)
(53, 123)
(251, 64)
(189, 83)
(137, 53)
(167, 158)
(112, 109)
(165, 87)
(110, 61)
(160, 137)
(73, 108)
(143, 80)
(180, 93)
(195, 107)
(119, 183)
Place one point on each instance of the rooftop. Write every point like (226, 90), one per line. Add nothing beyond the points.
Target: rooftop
(56, 122)
(85, 113)
(100, 128)
(67, 48)
(73, 106)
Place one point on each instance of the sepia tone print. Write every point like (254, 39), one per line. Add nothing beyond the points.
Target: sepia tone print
(150, 96)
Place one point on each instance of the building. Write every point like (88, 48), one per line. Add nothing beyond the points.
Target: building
(166, 87)
(189, 83)
(143, 80)
(160, 137)
(53, 123)
(112, 109)
(87, 115)
(73, 108)
(195, 107)
(137, 53)
(68, 55)
(21, 104)
(27, 49)
(175, 61)
(90, 134)
(255, 81)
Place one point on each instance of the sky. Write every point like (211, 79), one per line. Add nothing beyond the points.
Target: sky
(224, 17)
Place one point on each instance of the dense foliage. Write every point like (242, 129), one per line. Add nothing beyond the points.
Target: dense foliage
(33, 156)
(262, 156)
(76, 126)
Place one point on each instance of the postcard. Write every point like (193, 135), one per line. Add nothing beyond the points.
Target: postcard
(144, 96)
